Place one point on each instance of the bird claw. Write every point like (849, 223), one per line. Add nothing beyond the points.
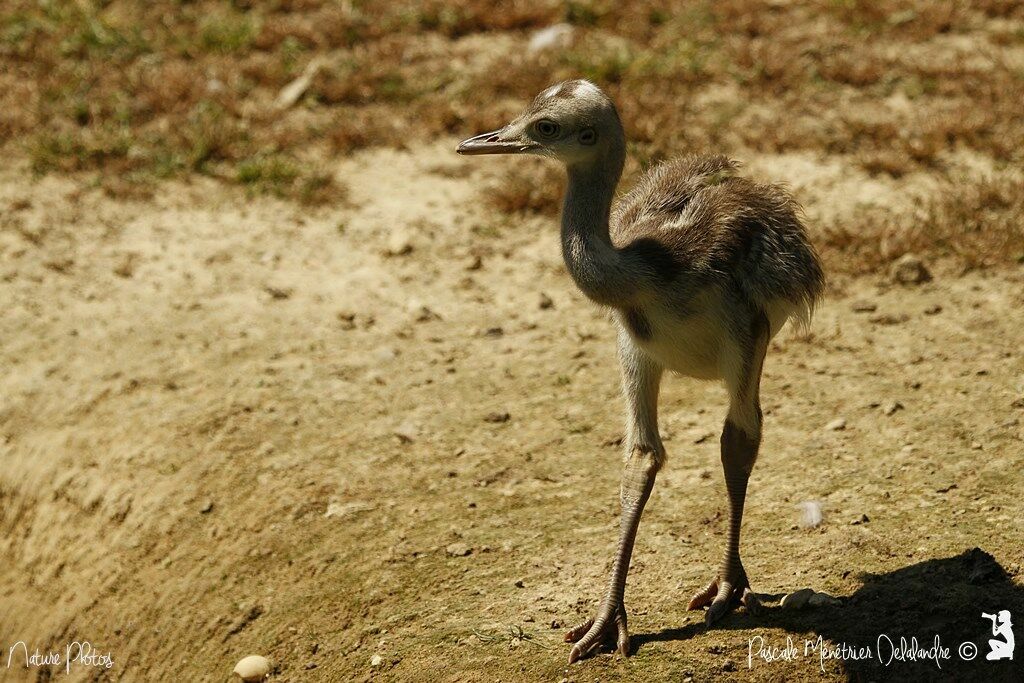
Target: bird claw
(608, 626)
(719, 597)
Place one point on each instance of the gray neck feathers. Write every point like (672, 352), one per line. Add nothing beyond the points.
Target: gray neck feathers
(597, 267)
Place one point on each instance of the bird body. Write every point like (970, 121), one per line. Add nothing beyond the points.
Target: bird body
(723, 230)
(717, 247)
(701, 268)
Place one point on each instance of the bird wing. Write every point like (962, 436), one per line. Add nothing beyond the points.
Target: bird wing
(717, 226)
(669, 188)
(670, 206)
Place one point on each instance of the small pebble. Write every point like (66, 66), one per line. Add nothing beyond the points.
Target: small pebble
(399, 244)
(891, 407)
(252, 668)
(889, 318)
(422, 314)
(864, 307)
(555, 36)
(863, 519)
(406, 432)
(546, 302)
(458, 550)
(910, 270)
(126, 267)
(822, 600)
(810, 513)
(836, 425)
(376, 661)
(279, 293)
(797, 599)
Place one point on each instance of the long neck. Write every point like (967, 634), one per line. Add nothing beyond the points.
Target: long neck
(597, 267)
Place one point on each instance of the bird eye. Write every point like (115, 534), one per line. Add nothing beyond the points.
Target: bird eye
(588, 136)
(547, 128)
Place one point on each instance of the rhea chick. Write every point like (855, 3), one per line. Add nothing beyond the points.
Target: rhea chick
(700, 268)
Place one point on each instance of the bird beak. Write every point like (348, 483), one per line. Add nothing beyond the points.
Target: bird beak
(495, 142)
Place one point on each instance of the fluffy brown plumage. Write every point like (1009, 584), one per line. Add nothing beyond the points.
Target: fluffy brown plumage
(718, 227)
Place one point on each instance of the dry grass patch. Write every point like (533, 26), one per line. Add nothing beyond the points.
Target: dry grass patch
(976, 222)
(167, 88)
(534, 187)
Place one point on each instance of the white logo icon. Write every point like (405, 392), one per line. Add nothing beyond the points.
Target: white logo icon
(1001, 627)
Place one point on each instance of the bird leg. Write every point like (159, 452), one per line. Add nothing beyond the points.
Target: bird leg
(637, 483)
(731, 586)
(644, 454)
(741, 438)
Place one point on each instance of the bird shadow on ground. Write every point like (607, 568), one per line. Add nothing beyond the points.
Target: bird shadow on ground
(942, 598)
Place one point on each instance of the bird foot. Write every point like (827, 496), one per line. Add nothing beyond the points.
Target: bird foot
(608, 626)
(721, 596)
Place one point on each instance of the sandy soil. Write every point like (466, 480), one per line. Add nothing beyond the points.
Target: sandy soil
(354, 440)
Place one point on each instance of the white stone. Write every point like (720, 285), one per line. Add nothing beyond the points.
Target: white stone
(822, 600)
(797, 599)
(810, 513)
(252, 668)
(556, 35)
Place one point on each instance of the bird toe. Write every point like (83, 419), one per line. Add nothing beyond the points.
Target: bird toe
(716, 611)
(703, 598)
(750, 601)
(578, 631)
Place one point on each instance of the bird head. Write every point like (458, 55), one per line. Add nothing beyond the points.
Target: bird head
(572, 121)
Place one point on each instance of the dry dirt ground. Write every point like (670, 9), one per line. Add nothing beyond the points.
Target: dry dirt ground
(353, 440)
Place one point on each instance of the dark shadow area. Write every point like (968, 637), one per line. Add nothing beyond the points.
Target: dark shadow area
(944, 597)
